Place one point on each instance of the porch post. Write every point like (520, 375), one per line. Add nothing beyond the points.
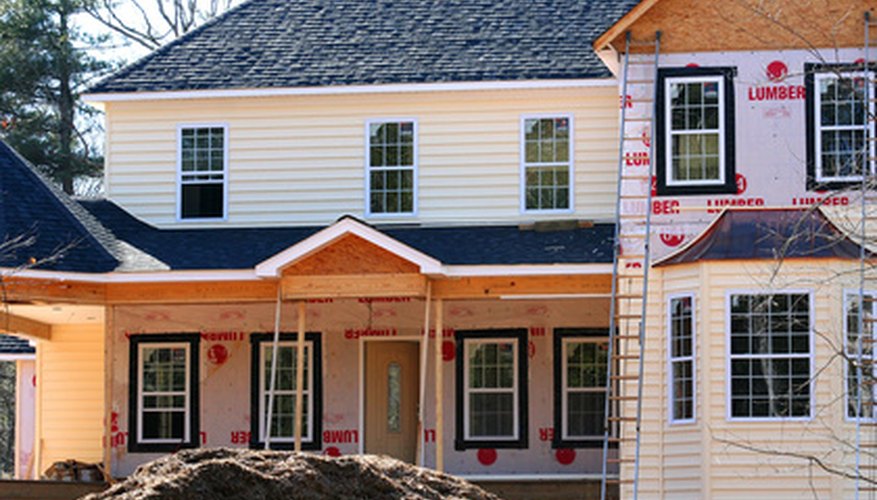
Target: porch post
(271, 383)
(424, 344)
(109, 343)
(439, 392)
(300, 374)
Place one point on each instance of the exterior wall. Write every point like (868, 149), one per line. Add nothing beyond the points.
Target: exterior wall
(70, 395)
(300, 160)
(770, 145)
(25, 417)
(709, 458)
(346, 326)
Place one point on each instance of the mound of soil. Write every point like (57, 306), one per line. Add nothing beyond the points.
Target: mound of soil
(211, 473)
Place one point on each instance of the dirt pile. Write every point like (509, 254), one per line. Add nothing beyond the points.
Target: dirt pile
(214, 473)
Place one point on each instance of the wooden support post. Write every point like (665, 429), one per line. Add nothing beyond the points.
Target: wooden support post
(421, 397)
(300, 374)
(439, 392)
(109, 343)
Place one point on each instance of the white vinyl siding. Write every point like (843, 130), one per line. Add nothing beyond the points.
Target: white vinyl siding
(300, 160)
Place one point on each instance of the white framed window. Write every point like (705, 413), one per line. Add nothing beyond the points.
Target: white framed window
(547, 163)
(583, 387)
(202, 170)
(490, 403)
(391, 167)
(842, 150)
(681, 350)
(164, 393)
(283, 412)
(852, 353)
(695, 130)
(770, 355)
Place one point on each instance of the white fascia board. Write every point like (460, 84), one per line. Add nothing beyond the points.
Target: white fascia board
(349, 89)
(270, 268)
(526, 270)
(135, 277)
(17, 357)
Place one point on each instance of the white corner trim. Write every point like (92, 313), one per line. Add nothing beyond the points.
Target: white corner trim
(348, 89)
(270, 268)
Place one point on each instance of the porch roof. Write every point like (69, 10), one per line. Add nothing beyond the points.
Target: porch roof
(767, 234)
(244, 248)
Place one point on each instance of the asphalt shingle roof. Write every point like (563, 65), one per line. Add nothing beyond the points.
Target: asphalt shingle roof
(38, 223)
(15, 345)
(768, 234)
(304, 43)
(243, 248)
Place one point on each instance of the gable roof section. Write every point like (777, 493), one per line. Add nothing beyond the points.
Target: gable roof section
(315, 43)
(767, 234)
(245, 248)
(39, 223)
(742, 25)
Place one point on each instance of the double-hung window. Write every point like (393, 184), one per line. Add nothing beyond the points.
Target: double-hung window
(770, 356)
(681, 350)
(392, 167)
(580, 370)
(838, 126)
(859, 355)
(491, 389)
(547, 169)
(203, 152)
(695, 147)
(163, 401)
(283, 408)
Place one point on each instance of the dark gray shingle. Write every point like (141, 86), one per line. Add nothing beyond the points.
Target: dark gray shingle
(303, 43)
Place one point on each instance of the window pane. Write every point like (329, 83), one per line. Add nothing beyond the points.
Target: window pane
(163, 425)
(202, 201)
(491, 414)
(394, 397)
(585, 413)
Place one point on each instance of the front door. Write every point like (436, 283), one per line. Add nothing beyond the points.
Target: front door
(391, 386)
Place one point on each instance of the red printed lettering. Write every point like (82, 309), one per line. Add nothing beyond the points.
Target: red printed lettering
(665, 207)
(546, 433)
(355, 333)
(538, 331)
(777, 93)
(636, 159)
(341, 436)
(429, 435)
(240, 437)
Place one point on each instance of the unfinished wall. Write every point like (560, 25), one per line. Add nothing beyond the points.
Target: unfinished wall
(70, 395)
(346, 325)
(300, 160)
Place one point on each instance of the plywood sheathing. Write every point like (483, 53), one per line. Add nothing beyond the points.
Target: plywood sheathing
(351, 255)
(736, 25)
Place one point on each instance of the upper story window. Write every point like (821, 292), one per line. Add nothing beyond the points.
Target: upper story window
(163, 401)
(770, 356)
(580, 369)
(837, 145)
(283, 410)
(491, 389)
(203, 152)
(859, 350)
(547, 163)
(392, 167)
(681, 350)
(695, 131)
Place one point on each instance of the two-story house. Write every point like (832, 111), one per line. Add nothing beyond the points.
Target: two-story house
(419, 200)
(402, 210)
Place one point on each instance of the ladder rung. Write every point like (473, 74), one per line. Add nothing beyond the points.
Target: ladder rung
(628, 316)
(625, 356)
(618, 481)
(624, 377)
(627, 337)
(635, 197)
(633, 235)
(623, 398)
(641, 43)
(638, 120)
(640, 62)
(636, 178)
(640, 82)
(620, 460)
(621, 440)
(629, 296)
(621, 419)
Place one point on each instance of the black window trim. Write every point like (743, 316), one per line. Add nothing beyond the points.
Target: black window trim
(730, 184)
(194, 341)
(559, 335)
(521, 335)
(256, 340)
(810, 71)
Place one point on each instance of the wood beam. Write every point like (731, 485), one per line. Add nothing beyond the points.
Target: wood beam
(25, 327)
(192, 292)
(40, 290)
(351, 286)
(491, 288)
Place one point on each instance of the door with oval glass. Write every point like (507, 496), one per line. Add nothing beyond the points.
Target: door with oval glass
(391, 390)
